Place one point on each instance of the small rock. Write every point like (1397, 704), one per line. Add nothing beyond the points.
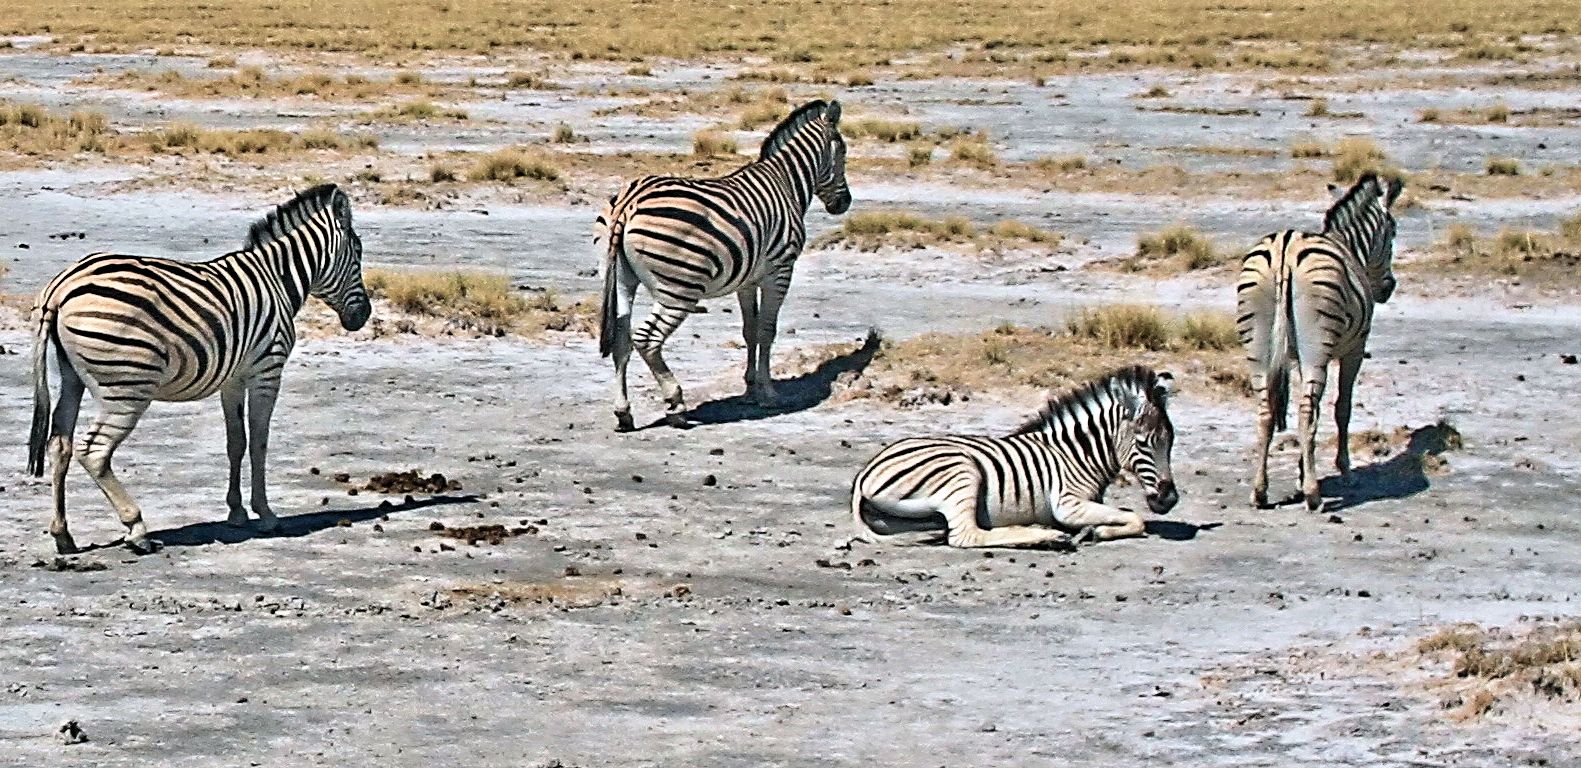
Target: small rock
(436, 526)
(1336, 519)
(71, 733)
(710, 481)
(987, 727)
(572, 570)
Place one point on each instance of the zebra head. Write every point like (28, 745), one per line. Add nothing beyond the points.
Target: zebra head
(1362, 219)
(339, 280)
(1150, 442)
(830, 185)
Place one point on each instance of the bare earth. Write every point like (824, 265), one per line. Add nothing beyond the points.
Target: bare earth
(645, 615)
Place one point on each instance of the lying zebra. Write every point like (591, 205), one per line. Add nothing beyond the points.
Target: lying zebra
(1036, 485)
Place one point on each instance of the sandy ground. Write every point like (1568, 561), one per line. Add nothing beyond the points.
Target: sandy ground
(720, 623)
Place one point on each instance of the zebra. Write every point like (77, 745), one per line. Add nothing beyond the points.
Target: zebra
(134, 329)
(689, 239)
(1037, 484)
(1305, 299)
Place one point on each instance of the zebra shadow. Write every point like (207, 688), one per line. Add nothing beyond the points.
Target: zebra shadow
(795, 394)
(292, 526)
(1177, 530)
(1398, 477)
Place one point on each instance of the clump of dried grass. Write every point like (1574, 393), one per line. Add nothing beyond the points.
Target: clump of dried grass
(871, 230)
(1492, 667)
(480, 302)
(1177, 248)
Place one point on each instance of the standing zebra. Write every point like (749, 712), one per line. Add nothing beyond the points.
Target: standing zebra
(692, 239)
(997, 491)
(1305, 299)
(135, 329)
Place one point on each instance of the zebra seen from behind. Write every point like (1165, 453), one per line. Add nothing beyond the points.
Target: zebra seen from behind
(135, 329)
(1306, 299)
(1036, 485)
(689, 239)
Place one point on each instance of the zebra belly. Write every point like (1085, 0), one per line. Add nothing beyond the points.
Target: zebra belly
(1033, 510)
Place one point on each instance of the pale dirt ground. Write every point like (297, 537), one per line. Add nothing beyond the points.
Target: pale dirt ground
(728, 643)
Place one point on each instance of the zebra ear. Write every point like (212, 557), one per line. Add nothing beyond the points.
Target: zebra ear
(1336, 191)
(832, 112)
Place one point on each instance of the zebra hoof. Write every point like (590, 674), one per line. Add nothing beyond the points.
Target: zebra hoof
(678, 421)
(65, 545)
(143, 546)
(624, 422)
(1314, 502)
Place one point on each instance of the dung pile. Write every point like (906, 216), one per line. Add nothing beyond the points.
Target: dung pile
(411, 481)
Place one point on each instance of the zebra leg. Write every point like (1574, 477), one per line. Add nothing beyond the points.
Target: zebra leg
(649, 340)
(748, 299)
(960, 513)
(626, 293)
(1265, 438)
(232, 401)
(1098, 521)
(773, 291)
(261, 397)
(62, 425)
(1311, 398)
(117, 419)
(1348, 368)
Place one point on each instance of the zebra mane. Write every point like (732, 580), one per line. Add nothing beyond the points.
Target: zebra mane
(1350, 208)
(1109, 385)
(782, 133)
(289, 215)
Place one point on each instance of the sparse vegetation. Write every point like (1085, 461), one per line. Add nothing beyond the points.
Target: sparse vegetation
(254, 83)
(420, 109)
(1066, 164)
(32, 130)
(944, 368)
(479, 302)
(1503, 166)
(1305, 148)
(1356, 156)
(713, 144)
(880, 129)
(1177, 248)
(439, 173)
(563, 134)
(1318, 108)
(1491, 667)
(973, 150)
(871, 230)
(918, 155)
(1155, 92)
(1547, 259)
(511, 164)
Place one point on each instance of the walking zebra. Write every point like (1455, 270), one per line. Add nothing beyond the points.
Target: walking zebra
(996, 491)
(135, 329)
(692, 239)
(1305, 299)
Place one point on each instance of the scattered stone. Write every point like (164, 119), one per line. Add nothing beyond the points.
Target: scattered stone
(64, 565)
(70, 733)
(572, 570)
(710, 481)
(987, 727)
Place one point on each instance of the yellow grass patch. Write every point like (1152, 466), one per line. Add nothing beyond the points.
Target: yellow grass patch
(481, 302)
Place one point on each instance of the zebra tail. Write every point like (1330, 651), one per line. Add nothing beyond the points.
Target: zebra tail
(1282, 338)
(608, 316)
(38, 438)
(863, 532)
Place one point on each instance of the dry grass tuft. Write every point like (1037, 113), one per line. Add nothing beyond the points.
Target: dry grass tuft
(942, 368)
(255, 83)
(1060, 165)
(1492, 667)
(713, 144)
(420, 109)
(1503, 166)
(973, 150)
(890, 131)
(1356, 156)
(872, 230)
(511, 164)
(1304, 148)
(1547, 259)
(1178, 248)
(479, 302)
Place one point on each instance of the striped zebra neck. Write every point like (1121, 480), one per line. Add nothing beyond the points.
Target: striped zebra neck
(794, 153)
(1087, 425)
(293, 244)
(1360, 221)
